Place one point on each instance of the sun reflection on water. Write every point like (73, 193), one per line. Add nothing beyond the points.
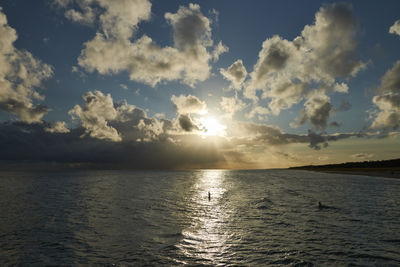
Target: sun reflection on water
(206, 239)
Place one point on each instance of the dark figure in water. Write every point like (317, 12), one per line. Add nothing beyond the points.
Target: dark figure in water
(321, 206)
(209, 196)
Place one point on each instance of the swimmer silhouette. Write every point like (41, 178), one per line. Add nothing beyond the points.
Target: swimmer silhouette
(209, 196)
(321, 206)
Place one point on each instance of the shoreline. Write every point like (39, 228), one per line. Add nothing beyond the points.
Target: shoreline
(385, 174)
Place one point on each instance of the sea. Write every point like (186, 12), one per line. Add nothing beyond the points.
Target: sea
(198, 218)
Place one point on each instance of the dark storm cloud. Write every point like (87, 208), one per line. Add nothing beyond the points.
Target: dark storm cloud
(22, 142)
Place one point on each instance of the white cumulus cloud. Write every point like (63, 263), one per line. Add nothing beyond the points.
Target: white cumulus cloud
(58, 127)
(112, 50)
(236, 74)
(95, 114)
(189, 104)
(388, 100)
(395, 28)
(324, 53)
(20, 75)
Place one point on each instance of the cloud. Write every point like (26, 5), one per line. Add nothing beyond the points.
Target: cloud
(20, 75)
(333, 43)
(95, 114)
(86, 16)
(189, 104)
(231, 105)
(219, 49)
(121, 17)
(185, 106)
(317, 110)
(151, 129)
(362, 156)
(191, 29)
(102, 118)
(112, 135)
(116, 19)
(395, 28)
(58, 127)
(30, 143)
(387, 102)
(341, 88)
(236, 74)
(119, 135)
(388, 115)
(324, 53)
(22, 142)
(273, 58)
(261, 135)
(390, 82)
(112, 50)
(186, 123)
(285, 95)
(258, 111)
(318, 140)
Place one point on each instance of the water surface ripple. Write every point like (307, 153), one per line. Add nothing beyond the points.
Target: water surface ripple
(166, 218)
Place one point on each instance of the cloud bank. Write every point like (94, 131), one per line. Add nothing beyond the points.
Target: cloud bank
(119, 135)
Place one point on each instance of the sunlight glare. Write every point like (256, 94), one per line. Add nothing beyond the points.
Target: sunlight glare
(212, 127)
(206, 237)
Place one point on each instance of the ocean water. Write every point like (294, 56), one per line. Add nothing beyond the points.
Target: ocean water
(253, 218)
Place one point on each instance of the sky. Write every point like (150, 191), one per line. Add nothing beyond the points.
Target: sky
(198, 84)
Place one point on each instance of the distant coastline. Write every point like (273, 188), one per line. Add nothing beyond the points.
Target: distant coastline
(382, 168)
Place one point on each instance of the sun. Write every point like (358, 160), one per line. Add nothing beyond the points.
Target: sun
(212, 127)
